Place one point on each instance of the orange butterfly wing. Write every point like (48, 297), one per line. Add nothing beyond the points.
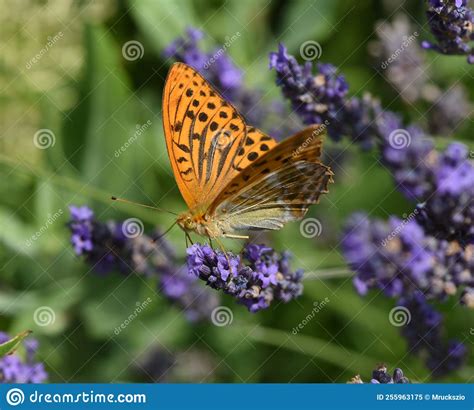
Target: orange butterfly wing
(208, 141)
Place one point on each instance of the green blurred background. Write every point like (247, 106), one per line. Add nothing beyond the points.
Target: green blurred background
(92, 100)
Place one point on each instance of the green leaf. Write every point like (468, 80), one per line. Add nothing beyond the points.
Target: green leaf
(15, 234)
(105, 119)
(162, 21)
(11, 345)
(304, 21)
(314, 347)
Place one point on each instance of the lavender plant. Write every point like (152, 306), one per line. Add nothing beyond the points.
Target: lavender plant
(117, 246)
(17, 369)
(452, 25)
(433, 250)
(266, 276)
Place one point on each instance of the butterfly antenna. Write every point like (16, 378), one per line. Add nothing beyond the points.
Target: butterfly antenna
(157, 238)
(126, 201)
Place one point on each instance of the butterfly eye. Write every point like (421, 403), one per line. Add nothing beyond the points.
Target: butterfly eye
(189, 223)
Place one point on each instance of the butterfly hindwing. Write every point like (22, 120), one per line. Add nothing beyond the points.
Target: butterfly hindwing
(276, 188)
(208, 141)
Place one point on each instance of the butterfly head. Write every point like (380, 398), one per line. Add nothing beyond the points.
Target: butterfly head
(186, 222)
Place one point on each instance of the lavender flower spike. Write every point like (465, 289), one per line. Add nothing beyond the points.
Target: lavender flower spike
(264, 279)
(452, 24)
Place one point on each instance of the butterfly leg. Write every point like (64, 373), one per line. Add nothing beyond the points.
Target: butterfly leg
(188, 238)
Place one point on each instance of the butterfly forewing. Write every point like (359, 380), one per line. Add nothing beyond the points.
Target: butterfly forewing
(208, 141)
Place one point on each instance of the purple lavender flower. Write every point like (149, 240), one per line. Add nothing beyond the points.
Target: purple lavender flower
(400, 259)
(266, 278)
(409, 155)
(424, 334)
(318, 98)
(109, 249)
(221, 72)
(449, 211)
(452, 24)
(381, 376)
(15, 369)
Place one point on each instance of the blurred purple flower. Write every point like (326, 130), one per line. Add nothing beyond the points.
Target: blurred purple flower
(266, 278)
(111, 250)
(15, 369)
(404, 262)
(452, 24)
(424, 334)
(399, 258)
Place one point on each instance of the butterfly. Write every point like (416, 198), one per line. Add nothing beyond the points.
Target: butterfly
(232, 176)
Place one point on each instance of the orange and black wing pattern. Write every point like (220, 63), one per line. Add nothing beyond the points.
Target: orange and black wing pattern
(208, 141)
